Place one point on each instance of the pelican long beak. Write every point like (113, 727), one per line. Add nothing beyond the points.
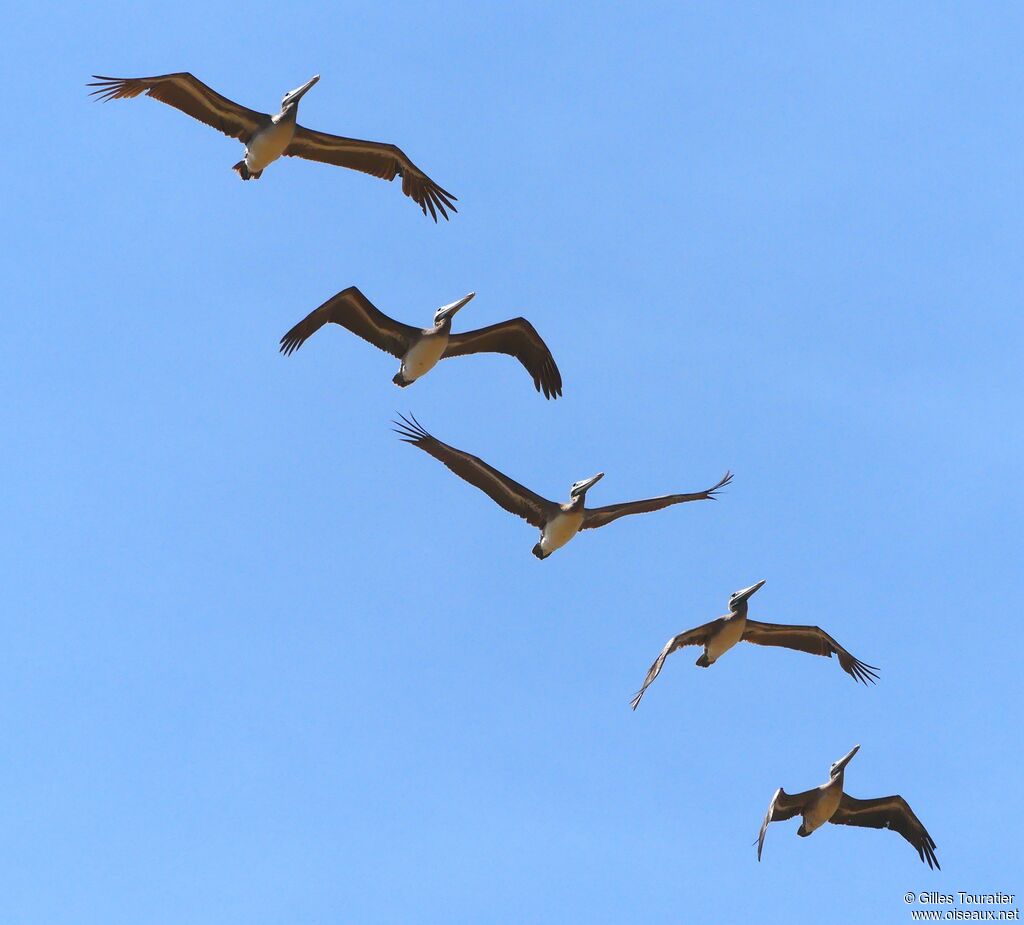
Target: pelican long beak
(843, 762)
(740, 596)
(586, 484)
(447, 311)
(297, 95)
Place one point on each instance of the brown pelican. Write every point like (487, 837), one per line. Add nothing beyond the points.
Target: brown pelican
(558, 523)
(267, 137)
(722, 634)
(828, 803)
(420, 350)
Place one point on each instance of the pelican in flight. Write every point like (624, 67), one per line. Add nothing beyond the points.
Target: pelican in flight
(558, 523)
(828, 803)
(420, 350)
(720, 635)
(267, 137)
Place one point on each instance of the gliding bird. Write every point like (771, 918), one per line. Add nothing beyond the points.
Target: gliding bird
(267, 137)
(558, 523)
(720, 635)
(828, 803)
(420, 350)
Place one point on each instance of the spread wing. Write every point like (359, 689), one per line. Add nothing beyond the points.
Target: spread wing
(888, 813)
(810, 639)
(505, 492)
(698, 636)
(599, 516)
(517, 338)
(352, 310)
(782, 807)
(190, 95)
(377, 159)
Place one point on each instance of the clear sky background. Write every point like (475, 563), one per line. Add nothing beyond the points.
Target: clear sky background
(263, 663)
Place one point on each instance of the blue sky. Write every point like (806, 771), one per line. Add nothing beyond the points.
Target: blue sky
(263, 663)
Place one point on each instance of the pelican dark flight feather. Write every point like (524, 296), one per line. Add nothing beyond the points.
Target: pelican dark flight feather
(267, 137)
(720, 635)
(558, 523)
(420, 350)
(828, 803)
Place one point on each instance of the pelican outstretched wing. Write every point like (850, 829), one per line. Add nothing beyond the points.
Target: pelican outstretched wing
(352, 310)
(698, 636)
(812, 639)
(599, 516)
(505, 492)
(782, 807)
(189, 94)
(516, 338)
(377, 159)
(888, 813)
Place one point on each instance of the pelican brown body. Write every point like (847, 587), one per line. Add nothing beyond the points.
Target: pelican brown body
(420, 350)
(719, 636)
(828, 803)
(558, 523)
(268, 137)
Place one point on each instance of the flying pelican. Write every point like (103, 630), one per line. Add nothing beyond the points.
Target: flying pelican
(267, 137)
(558, 523)
(420, 350)
(720, 635)
(828, 803)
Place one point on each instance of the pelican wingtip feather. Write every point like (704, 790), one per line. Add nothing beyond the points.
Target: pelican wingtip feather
(424, 191)
(111, 88)
(866, 673)
(409, 429)
(290, 342)
(723, 482)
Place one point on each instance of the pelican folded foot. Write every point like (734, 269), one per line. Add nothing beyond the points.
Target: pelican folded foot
(242, 169)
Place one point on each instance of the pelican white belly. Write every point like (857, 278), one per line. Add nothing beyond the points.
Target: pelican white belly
(726, 638)
(268, 144)
(560, 529)
(423, 356)
(823, 808)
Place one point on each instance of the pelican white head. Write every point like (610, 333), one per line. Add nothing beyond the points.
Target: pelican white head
(740, 597)
(448, 311)
(581, 487)
(839, 766)
(292, 97)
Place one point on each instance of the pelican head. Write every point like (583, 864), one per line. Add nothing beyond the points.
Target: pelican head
(448, 311)
(579, 489)
(839, 766)
(292, 97)
(739, 598)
